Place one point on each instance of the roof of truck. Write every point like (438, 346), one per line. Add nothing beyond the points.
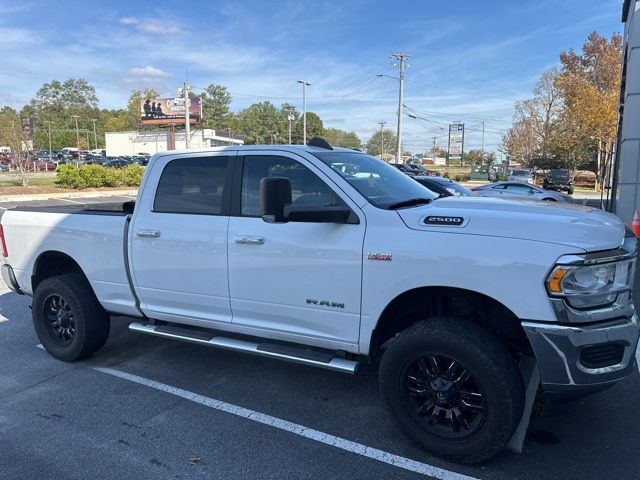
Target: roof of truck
(245, 148)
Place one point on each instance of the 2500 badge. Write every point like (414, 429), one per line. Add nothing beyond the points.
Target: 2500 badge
(446, 221)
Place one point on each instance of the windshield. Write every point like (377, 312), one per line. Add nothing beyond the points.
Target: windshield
(520, 173)
(457, 190)
(561, 174)
(381, 184)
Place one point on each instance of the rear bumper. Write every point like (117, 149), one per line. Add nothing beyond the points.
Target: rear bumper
(584, 358)
(10, 279)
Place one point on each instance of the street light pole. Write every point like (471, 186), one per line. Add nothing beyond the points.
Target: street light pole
(290, 118)
(77, 133)
(95, 135)
(187, 126)
(305, 84)
(401, 57)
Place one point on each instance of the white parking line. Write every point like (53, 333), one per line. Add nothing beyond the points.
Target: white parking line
(301, 430)
(68, 200)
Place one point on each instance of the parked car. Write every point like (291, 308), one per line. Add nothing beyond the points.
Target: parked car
(444, 186)
(46, 166)
(520, 190)
(116, 163)
(419, 169)
(520, 175)
(404, 169)
(270, 251)
(558, 180)
(4, 167)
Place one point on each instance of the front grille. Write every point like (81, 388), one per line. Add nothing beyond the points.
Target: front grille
(600, 356)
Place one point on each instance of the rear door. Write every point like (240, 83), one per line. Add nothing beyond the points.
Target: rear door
(178, 239)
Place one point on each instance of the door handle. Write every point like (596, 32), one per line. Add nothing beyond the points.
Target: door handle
(148, 233)
(249, 240)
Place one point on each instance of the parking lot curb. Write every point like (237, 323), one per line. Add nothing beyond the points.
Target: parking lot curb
(47, 196)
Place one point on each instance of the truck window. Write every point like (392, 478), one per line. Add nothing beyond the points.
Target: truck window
(306, 187)
(192, 186)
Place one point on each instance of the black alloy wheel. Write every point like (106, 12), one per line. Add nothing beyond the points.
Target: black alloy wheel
(443, 397)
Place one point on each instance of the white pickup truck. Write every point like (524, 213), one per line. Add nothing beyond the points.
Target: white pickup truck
(330, 258)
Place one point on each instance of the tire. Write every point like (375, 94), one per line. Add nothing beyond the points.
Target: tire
(81, 327)
(570, 191)
(491, 371)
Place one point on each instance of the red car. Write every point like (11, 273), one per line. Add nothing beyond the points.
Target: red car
(46, 166)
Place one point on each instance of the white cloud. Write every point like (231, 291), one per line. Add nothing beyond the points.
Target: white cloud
(150, 26)
(129, 21)
(148, 71)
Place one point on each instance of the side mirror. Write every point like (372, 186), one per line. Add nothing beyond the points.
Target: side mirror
(275, 193)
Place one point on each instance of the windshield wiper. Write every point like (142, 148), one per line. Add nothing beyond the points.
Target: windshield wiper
(409, 203)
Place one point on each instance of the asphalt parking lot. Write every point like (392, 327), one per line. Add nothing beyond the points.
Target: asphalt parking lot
(152, 408)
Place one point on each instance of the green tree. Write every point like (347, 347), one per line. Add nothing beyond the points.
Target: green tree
(315, 128)
(386, 140)
(216, 102)
(134, 116)
(260, 122)
(342, 138)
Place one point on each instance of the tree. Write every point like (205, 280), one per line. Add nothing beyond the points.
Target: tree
(216, 102)
(260, 122)
(315, 128)
(590, 84)
(478, 157)
(134, 117)
(520, 142)
(384, 139)
(342, 138)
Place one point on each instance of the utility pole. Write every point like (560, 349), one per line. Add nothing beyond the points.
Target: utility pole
(229, 132)
(401, 57)
(305, 84)
(433, 150)
(95, 135)
(381, 139)
(187, 126)
(77, 132)
(483, 138)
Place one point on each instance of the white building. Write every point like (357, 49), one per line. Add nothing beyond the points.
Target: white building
(627, 175)
(132, 143)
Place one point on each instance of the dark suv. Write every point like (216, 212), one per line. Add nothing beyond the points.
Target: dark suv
(558, 180)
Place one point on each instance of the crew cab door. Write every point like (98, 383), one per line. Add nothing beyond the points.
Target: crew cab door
(299, 280)
(178, 239)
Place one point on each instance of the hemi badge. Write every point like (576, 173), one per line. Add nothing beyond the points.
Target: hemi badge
(446, 221)
(379, 256)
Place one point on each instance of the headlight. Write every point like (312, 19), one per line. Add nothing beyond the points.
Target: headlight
(588, 286)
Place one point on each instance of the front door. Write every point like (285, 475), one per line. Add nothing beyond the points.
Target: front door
(178, 240)
(300, 281)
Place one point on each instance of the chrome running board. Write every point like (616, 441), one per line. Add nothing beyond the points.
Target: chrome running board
(269, 350)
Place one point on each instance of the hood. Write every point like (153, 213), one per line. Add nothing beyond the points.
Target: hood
(576, 226)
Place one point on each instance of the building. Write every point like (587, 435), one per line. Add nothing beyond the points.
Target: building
(626, 181)
(132, 143)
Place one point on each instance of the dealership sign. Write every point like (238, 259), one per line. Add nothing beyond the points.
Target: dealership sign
(159, 111)
(456, 140)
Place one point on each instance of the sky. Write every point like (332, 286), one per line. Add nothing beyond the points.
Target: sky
(469, 60)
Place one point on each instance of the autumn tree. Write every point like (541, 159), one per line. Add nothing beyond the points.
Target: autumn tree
(590, 85)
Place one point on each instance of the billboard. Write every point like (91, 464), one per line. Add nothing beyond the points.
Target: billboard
(456, 141)
(164, 111)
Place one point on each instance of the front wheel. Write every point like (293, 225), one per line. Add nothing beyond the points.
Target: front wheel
(454, 388)
(67, 317)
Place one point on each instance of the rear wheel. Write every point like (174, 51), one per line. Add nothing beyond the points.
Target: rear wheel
(67, 317)
(549, 199)
(452, 387)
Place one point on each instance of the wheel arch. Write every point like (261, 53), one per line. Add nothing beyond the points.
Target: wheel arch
(419, 303)
(51, 263)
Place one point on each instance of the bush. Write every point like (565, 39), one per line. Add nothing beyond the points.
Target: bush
(96, 176)
(457, 177)
(446, 175)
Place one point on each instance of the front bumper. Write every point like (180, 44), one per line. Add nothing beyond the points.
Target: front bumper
(582, 358)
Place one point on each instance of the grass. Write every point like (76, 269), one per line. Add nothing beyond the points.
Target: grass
(17, 182)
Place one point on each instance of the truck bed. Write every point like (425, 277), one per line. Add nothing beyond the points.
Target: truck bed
(92, 235)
